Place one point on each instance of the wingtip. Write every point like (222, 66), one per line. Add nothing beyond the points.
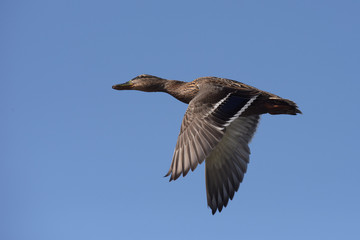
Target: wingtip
(213, 211)
(168, 173)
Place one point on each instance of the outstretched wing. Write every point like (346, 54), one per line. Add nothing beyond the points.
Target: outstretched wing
(205, 123)
(227, 163)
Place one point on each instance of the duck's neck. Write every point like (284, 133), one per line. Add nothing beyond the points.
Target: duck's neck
(182, 91)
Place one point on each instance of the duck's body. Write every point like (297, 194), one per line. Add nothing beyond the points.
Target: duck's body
(218, 125)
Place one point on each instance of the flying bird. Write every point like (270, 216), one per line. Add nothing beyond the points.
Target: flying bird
(218, 125)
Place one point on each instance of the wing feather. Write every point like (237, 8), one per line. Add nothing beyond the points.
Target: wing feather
(213, 129)
(226, 165)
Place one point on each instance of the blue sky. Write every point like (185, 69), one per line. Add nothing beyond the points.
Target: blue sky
(82, 161)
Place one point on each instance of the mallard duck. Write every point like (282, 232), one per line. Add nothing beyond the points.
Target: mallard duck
(218, 125)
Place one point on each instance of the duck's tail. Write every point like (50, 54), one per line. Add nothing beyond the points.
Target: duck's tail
(276, 105)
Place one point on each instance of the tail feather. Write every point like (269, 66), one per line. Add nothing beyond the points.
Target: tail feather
(282, 106)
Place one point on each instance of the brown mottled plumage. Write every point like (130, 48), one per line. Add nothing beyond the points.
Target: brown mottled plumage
(217, 127)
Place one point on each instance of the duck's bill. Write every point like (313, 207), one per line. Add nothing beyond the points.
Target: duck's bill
(123, 86)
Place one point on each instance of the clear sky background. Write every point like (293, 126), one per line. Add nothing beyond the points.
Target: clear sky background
(80, 160)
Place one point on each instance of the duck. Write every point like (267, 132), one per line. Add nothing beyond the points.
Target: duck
(218, 125)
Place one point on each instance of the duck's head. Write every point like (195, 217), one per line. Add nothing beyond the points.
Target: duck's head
(144, 82)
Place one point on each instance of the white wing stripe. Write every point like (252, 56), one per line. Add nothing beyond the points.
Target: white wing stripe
(241, 111)
(218, 104)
